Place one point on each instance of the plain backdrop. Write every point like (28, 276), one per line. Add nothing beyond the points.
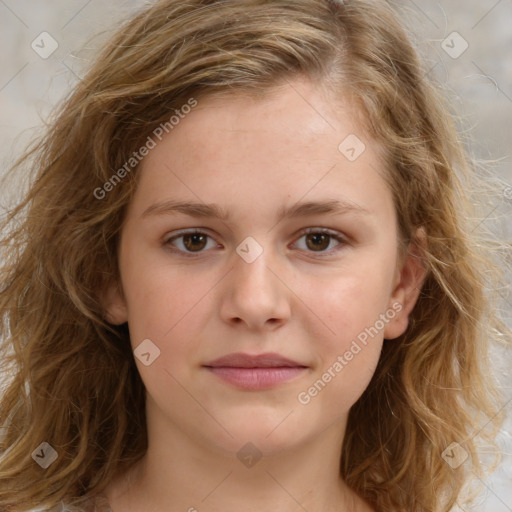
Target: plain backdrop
(468, 47)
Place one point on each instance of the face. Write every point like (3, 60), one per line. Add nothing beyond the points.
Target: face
(259, 229)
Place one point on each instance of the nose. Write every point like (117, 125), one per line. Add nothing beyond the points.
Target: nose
(255, 294)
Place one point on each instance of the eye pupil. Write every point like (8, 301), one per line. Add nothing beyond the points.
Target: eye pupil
(318, 238)
(191, 240)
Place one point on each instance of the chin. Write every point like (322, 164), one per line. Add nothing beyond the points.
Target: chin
(271, 434)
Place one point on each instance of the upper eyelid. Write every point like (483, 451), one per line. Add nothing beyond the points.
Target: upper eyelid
(187, 231)
(327, 231)
(206, 231)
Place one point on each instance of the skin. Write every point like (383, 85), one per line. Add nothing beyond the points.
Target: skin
(252, 158)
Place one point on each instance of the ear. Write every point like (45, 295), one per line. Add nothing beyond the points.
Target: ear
(114, 304)
(408, 281)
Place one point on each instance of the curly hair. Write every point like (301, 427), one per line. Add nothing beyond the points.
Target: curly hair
(71, 376)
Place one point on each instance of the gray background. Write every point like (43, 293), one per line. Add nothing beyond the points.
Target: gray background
(479, 83)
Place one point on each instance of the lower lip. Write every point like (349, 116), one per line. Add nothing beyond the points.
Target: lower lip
(256, 379)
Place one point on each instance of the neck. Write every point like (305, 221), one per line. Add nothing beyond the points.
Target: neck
(178, 473)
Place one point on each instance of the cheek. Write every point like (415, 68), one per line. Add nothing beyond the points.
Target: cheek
(344, 306)
(170, 310)
(161, 297)
(347, 336)
(335, 389)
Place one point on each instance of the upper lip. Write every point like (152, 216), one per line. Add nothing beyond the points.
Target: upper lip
(241, 360)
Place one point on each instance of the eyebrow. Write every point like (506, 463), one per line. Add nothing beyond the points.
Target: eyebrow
(212, 210)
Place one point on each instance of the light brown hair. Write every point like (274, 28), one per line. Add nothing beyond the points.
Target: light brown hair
(72, 378)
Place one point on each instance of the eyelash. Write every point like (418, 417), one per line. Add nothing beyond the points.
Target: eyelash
(317, 231)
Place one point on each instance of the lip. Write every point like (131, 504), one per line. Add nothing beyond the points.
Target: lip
(255, 372)
(241, 360)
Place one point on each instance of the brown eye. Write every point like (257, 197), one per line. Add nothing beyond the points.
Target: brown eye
(318, 241)
(191, 243)
(195, 241)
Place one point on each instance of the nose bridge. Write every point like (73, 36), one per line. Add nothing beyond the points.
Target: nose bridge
(255, 294)
(252, 274)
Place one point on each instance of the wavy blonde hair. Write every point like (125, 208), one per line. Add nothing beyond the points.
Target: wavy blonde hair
(72, 378)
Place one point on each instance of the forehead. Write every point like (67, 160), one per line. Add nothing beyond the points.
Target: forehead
(298, 113)
(297, 141)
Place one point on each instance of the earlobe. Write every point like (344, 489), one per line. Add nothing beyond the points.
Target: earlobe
(114, 305)
(409, 280)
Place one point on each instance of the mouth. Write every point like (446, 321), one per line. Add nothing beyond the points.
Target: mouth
(254, 373)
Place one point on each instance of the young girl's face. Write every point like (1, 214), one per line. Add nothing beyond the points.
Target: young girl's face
(303, 266)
